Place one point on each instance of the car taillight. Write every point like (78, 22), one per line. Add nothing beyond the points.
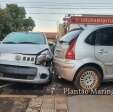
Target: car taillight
(70, 54)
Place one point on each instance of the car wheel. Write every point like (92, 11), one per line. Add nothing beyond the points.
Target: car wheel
(88, 78)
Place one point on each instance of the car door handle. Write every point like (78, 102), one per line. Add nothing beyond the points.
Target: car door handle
(102, 51)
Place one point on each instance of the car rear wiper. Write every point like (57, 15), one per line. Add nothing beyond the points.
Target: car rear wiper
(9, 42)
(27, 43)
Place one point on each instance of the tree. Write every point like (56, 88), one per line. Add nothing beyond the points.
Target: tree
(13, 19)
(5, 23)
(28, 24)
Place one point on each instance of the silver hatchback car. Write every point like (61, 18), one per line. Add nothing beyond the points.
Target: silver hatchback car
(24, 57)
(85, 56)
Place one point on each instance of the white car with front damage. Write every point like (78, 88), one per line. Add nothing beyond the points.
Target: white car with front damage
(25, 57)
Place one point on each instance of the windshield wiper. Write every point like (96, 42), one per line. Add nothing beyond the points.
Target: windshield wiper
(9, 43)
(27, 43)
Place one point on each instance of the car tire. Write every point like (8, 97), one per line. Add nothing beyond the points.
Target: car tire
(88, 78)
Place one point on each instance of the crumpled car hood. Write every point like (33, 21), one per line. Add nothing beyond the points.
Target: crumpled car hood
(22, 48)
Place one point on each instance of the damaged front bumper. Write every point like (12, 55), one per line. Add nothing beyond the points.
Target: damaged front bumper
(24, 72)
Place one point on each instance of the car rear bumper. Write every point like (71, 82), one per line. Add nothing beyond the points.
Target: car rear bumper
(65, 69)
(24, 73)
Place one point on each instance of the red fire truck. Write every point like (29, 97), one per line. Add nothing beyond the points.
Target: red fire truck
(71, 22)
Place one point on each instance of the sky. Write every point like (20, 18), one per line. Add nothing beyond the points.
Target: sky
(47, 14)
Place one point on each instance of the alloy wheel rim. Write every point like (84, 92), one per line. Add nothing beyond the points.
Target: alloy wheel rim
(88, 80)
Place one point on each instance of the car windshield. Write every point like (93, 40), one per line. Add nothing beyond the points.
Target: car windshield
(70, 36)
(25, 38)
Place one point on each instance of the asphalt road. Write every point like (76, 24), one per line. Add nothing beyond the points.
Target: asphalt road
(55, 87)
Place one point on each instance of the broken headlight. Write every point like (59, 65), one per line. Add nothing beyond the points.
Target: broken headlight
(43, 57)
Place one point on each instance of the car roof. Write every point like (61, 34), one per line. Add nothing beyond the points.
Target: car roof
(98, 26)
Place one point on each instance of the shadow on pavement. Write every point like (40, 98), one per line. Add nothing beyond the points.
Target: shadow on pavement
(55, 87)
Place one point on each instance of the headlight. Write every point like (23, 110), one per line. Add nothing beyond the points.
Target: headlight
(42, 57)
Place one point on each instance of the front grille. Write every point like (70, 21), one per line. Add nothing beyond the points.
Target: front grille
(28, 58)
(20, 70)
(16, 76)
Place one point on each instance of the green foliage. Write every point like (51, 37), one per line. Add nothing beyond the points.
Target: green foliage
(28, 24)
(13, 19)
